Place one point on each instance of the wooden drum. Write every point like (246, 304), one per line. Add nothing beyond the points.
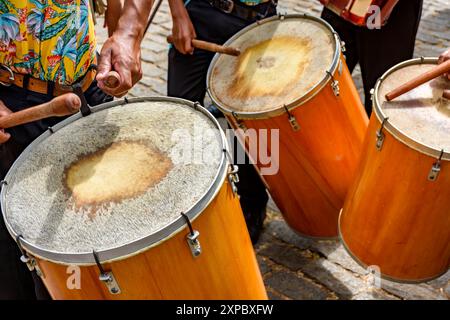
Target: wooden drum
(134, 201)
(292, 77)
(397, 214)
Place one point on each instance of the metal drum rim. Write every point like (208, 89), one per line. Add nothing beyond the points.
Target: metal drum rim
(279, 110)
(134, 247)
(391, 128)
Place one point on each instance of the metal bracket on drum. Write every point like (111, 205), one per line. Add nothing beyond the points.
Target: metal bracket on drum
(292, 120)
(239, 122)
(107, 277)
(29, 261)
(436, 168)
(334, 84)
(233, 176)
(192, 238)
(380, 135)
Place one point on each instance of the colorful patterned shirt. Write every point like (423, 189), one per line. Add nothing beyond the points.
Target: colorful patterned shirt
(52, 40)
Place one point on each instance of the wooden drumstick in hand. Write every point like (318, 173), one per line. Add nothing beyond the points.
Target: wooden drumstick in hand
(64, 105)
(209, 46)
(414, 83)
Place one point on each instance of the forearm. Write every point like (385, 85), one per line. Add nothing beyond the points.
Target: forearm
(134, 18)
(177, 10)
(112, 16)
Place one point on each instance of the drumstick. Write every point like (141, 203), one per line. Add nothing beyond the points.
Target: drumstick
(209, 46)
(64, 105)
(414, 83)
(112, 80)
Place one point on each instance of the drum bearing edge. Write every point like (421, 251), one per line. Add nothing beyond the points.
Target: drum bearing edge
(279, 110)
(134, 247)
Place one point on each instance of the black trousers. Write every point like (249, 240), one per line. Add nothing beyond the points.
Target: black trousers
(16, 281)
(378, 50)
(187, 79)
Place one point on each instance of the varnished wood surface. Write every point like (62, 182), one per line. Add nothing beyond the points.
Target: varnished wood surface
(394, 217)
(226, 269)
(317, 163)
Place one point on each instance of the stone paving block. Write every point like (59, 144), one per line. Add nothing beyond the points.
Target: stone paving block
(373, 294)
(263, 266)
(344, 283)
(285, 255)
(296, 287)
(412, 291)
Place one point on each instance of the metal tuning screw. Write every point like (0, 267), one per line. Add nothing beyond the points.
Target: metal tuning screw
(380, 135)
(107, 277)
(436, 168)
(192, 238)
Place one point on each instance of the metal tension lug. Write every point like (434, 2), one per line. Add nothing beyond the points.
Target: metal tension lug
(233, 178)
(381, 136)
(194, 243)
(294, 124)
(110, 281)
(434, 172)
(334, 84)
(435, 169)
(335, 87)
(292, 120)
(343, 49)
(192, 238)
(107, 277)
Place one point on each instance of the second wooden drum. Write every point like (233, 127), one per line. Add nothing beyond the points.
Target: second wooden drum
(292, 77)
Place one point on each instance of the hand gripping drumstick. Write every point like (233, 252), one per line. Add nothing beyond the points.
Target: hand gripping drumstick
(64, 105)
(209, 46)
(414, 83)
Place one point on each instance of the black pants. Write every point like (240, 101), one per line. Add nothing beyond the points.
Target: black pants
(187, 79)
(378, 50)
(16, 281)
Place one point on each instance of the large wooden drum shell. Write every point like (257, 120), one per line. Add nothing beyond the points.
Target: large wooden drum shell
(316, 163)
(394, 217)
(226, 269)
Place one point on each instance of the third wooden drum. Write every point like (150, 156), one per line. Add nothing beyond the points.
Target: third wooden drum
(397, 214)
(291, 76)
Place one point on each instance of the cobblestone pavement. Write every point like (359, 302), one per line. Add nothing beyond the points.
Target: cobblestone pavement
(294, 267)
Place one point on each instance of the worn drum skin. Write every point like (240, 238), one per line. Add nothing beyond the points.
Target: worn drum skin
(135, 201)
(397, 213)
(292, 77)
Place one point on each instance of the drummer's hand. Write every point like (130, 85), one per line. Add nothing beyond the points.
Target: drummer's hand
(444, 57)
(4, 111)
(183, 31)
(121, 53)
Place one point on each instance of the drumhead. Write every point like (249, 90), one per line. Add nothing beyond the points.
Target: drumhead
(420, 117)
(115, 181)
(283, 62)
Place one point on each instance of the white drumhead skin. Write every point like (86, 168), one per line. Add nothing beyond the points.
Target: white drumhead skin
(113, 177)
(280, 62)
(422, 113)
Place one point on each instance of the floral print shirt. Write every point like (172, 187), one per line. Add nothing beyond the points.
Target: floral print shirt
(52, 40)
